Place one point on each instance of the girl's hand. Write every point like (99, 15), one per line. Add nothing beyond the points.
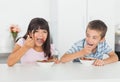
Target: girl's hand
(29, 43)
(57, 62)
(54, 59)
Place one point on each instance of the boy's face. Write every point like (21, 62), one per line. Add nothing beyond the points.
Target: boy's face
(93, 37)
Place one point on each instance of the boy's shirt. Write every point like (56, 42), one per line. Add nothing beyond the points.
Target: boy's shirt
(102, 48)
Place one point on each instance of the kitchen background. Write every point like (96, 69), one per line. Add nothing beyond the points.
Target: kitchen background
(67, 20)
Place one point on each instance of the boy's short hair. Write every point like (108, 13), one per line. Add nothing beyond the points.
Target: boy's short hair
(98, 25)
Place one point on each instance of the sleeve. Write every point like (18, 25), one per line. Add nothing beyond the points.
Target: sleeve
(107, 48)
(21, 41)
(75, 47)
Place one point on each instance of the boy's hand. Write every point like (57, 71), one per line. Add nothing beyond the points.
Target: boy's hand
(88, 49)
(98, 62)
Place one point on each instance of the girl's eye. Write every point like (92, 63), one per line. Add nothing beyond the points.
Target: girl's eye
(36, 31)
(45, 31)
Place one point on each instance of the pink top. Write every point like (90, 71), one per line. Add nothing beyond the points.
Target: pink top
(31, 55)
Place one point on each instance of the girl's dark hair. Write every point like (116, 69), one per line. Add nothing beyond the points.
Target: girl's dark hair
(98, 25)
(40, 23)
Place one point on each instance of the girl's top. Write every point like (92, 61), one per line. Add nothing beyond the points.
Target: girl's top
(31, 55)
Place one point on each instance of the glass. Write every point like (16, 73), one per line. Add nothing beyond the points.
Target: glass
(55, 53)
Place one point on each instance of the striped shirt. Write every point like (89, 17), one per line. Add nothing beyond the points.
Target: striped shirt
(102, 48)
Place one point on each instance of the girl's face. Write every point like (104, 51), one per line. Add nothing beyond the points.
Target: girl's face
(40, 37)
(93, 38)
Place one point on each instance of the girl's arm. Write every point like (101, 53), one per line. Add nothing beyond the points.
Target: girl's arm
(17, 53)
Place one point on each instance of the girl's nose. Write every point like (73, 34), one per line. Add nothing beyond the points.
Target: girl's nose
(40, 34)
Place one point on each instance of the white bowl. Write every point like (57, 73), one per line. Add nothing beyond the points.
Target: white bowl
(45, 64)
(87, 62)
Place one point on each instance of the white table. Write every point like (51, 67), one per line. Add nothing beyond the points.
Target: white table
(68, 72)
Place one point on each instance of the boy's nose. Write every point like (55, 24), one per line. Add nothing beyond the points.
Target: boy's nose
(90, 40)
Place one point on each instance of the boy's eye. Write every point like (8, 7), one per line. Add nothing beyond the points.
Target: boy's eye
(94, 37)
(87, 35)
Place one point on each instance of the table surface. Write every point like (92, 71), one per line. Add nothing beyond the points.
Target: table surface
(59, 72)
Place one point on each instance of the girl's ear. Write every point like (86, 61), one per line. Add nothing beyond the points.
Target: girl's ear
(31, 34)
(102, 40)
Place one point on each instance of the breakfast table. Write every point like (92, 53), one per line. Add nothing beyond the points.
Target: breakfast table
(65, 72)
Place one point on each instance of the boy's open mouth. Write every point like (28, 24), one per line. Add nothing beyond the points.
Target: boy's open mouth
(89, 44)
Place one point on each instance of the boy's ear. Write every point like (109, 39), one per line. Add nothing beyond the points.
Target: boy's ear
(103, 39)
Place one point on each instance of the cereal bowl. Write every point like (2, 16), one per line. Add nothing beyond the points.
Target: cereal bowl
(44, 63)
(87, 62)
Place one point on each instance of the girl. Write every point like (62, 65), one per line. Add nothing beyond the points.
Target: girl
(34, 45)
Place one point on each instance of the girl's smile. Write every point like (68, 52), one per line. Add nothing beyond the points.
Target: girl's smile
(40, 36)
(40, 40)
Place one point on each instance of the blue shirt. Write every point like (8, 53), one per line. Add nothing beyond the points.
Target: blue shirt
(102, 48)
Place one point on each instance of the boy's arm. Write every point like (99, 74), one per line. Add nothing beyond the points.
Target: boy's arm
(70, 57)
(112, 58)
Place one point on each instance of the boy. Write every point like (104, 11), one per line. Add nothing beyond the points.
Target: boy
(93, 46)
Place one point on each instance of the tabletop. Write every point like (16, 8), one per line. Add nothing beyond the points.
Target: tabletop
(59, 72)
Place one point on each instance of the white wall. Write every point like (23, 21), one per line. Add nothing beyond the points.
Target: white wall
(74, 15)
(19, 12)
(67, 19)
(71, 23)
(54, 20)
(103, 10)
(117, 12)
